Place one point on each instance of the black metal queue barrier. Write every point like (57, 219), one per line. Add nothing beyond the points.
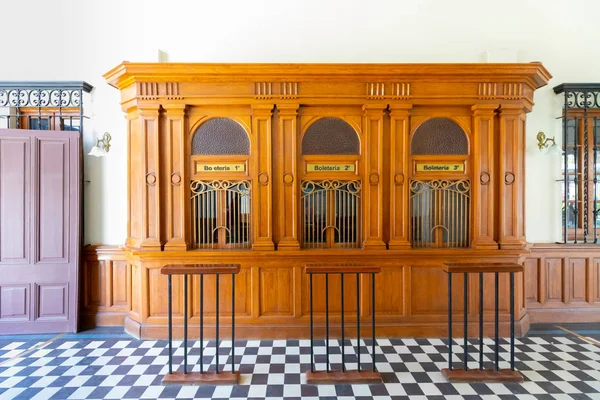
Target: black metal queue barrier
(357, 375)
(480, 374)
(201, 377)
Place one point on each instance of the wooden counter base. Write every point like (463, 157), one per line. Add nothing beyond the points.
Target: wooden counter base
(343, 377)
(487, 375)
(206, 378)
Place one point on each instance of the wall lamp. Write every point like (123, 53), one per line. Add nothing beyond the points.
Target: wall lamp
(102, 146)
(544, 143)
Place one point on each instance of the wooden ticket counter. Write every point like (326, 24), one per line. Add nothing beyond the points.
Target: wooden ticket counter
(275, 166)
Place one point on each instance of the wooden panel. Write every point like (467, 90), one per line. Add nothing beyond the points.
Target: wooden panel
(399, 201)
(389, 298)
(373, 185)
(51, 301)
(119, 284)
(53, 202)
(425, 301)
(95, 282)
(176, 178)
(288, 213)
(276, 291)
(483, 179)
(511, 212)
(262, 184)
(532, 294)
(554, 279)
(151, 227)
(136, 290)
(578, 280)
(242, 294)
(15, 200)
(596, 281)
(14, 303)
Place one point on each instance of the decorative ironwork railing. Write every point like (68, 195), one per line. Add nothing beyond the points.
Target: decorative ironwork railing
(331, 214)
(42, 105)
(221, 214)
(440, 213)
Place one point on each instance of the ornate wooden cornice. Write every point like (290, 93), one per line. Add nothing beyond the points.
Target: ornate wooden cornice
(126, 73)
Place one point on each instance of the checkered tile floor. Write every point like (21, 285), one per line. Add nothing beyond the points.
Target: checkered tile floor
(554, 368)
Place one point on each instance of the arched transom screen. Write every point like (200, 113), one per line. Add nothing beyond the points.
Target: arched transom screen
(220, 136)
(439, 136)
(330, 136)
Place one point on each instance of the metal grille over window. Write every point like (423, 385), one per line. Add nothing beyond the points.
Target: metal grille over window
(221, 214)
(580, 163)
(440, 211)
(331, 214)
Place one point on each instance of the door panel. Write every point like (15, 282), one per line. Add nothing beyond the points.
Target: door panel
(15, 190)
(14, 303)
(39, 230)
(52, 214)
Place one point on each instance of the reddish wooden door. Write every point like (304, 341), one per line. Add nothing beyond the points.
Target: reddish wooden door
(39, 230)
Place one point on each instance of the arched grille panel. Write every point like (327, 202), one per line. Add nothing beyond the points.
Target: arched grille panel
(331, 214)
(220, 136)
(221, 214)
(439, 136)
(330, 136)
(440, 213)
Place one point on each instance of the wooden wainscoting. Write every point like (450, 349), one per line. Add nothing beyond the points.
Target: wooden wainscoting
(562, 283)
(106, 287)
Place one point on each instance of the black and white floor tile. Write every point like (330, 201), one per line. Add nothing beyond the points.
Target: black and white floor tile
(122, 368)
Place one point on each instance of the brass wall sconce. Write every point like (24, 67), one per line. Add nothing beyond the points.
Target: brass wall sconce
(102, 146)
(544, 143)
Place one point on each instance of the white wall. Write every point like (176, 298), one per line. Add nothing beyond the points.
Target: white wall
(81, 40)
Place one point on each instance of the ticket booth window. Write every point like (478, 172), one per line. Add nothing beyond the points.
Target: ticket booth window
(440, 190)
(331, 203)
(221, 208)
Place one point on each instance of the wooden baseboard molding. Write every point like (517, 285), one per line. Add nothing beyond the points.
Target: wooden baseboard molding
(564, 315)
(102, 318)
(153, 332)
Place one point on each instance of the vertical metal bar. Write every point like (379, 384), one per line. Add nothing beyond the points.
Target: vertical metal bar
(565, 170)
(584, 177)
(217, 322)
(497, 344)
(449, 320)
(343, 341)
(358, 320)
(373, 316)
(575, 177)
(170, 327)
(327, 319)
(481, 321)
(232, 323)
(595, 180)
(201, 323)
(512, 321)
(310, 297)
(185, 322)
(466, 314)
